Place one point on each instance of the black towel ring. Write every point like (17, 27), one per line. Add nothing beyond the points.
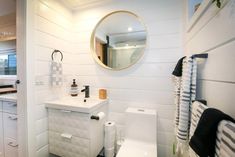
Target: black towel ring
(55, 51)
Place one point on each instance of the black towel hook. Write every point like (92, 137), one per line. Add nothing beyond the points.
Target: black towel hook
(55, 51)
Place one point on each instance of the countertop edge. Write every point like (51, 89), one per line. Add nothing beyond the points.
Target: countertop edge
(52, 105)
(8, 97)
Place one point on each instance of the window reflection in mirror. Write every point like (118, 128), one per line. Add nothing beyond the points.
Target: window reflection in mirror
(119, 40)
(8, 57)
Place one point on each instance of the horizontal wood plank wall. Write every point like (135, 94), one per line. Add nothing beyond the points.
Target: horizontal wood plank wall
(215, 34)
(147, 84)
(52, 30)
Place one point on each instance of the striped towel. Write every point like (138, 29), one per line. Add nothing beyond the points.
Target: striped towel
(185, 93)
(225, 142)
(196, 112)
(56, 73)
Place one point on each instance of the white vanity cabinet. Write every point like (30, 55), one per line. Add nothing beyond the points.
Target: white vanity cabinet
(8, 128)
(72, 132)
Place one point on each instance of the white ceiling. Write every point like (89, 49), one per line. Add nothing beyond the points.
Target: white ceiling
(7, 7)
(7, 20)
(77, 4)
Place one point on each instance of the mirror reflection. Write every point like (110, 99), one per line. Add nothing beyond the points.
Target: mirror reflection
(119, 40)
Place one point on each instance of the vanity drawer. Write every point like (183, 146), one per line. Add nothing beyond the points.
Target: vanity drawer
(74, 123)
(10, 107)
(10, 125)
(11, 147)
(70, 147)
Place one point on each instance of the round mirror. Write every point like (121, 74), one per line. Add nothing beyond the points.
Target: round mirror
(118, 40)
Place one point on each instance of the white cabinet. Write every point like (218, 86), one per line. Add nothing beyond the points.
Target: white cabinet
(11, 147)
(75, 134)
(8, 129)
(9, 107)
(10, 125)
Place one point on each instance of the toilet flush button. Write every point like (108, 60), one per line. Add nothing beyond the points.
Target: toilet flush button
(141, 110)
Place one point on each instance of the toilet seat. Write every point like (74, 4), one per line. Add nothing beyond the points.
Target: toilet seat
(132, 148)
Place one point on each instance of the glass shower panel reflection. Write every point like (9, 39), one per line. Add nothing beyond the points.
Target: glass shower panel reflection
(122, 57)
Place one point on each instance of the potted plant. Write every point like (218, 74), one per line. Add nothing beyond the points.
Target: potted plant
(218, 3)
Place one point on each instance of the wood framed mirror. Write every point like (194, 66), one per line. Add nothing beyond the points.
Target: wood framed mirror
(118, 41)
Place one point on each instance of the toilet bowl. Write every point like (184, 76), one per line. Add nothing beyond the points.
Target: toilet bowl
(140, 134)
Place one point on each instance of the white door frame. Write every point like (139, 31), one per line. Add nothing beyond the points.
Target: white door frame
(22, 130)
(25, 73)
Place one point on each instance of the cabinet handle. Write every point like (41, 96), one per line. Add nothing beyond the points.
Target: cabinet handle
(12, 144)
(12, 117)
(66, 111)
(13, 105)
(95, 117)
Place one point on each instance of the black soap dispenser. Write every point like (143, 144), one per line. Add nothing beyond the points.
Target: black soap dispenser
(74, 88)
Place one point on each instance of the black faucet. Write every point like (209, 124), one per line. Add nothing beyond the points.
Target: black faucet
(87, 91)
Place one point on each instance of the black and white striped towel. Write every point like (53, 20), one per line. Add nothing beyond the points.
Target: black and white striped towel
(225, 142)
(185, 93)
(196, 112)
(204, 138)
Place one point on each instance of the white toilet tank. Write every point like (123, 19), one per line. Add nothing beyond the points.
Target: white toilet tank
(141, 125)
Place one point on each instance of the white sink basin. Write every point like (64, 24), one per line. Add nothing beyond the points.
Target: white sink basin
(76, 104)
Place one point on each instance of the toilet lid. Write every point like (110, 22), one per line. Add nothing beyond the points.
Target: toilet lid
(131, 148)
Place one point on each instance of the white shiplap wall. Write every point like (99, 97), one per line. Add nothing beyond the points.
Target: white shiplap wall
(214, 34)
(147, 84)
(52, 30)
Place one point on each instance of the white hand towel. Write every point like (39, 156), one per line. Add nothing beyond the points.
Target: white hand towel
(56, 73)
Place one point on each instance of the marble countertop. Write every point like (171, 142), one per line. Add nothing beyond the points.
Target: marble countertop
(8, 97)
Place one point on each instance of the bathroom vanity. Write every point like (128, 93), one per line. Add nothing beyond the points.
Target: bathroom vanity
(8, 126)
(73, 130)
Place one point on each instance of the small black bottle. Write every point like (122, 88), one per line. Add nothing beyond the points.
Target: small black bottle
(74, 88)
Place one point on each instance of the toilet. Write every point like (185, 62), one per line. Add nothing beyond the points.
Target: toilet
(140, 134)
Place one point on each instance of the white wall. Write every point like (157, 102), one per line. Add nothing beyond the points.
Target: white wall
(147, 84)
(214, 34)
(52, 30)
